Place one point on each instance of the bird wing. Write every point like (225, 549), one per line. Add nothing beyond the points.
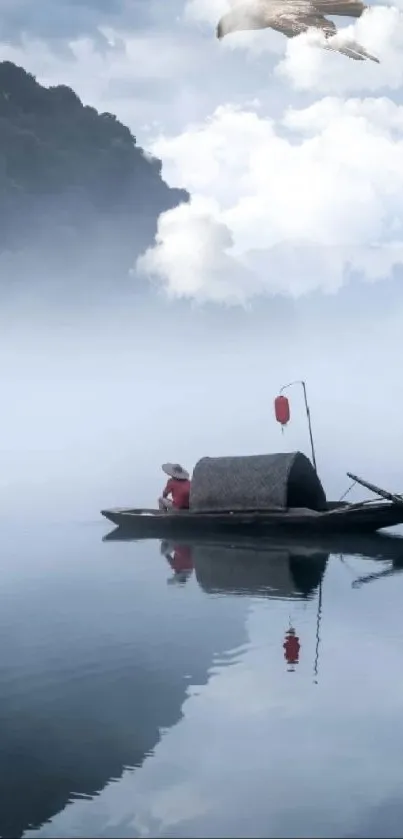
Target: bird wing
(353, 50)
(294, 22)
(347, 8)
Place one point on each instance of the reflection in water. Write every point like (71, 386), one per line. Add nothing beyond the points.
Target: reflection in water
(292, 647)
(391, 570)
(257, 570)
(263, 570)
(317, 634)
(92, 668)
(180, 560)
(129, 679)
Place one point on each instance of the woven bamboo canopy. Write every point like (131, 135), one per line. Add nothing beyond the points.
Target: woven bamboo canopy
(256, 482)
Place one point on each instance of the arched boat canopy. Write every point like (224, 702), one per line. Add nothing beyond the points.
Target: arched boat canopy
(256, 482)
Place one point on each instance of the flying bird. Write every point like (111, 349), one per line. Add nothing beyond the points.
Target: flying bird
(293, 17)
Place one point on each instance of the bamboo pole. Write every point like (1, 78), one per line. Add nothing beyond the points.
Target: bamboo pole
(308, 414)
(383, 493)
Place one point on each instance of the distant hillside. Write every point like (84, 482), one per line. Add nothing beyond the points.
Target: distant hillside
(77, 196)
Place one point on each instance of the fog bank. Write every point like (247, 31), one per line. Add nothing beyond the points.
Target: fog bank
(95, 399)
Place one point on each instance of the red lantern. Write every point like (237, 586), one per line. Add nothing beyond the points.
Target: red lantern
(291, 647)
(282, 409)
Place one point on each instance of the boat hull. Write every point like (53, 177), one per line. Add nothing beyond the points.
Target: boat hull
(339, 519)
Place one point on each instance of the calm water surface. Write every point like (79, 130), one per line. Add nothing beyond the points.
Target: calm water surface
(176, 690)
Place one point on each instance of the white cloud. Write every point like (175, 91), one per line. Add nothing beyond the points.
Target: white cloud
(299, 202)
(192, 256)
(132, 75)
(205, 11)
(129, 55)
(209, 10)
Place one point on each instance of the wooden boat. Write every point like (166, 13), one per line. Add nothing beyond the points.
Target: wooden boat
(260, 495)
(366, 517)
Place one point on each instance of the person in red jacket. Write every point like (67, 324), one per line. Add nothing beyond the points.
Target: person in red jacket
(177, 490)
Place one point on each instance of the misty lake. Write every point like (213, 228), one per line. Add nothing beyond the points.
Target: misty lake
(136, 700)
(158, 689)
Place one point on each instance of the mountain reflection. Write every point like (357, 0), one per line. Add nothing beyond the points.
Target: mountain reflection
(93, 669)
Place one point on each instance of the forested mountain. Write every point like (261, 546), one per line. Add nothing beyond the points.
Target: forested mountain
(77, 196)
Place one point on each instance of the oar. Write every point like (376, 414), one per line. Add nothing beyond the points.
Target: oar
(388, 496)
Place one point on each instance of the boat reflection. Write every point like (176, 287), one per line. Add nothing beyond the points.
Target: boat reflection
(278, 570)
(245, 570)
(288, 569)
(371, 546)
(394, 568)
(258, 570)
(255, 569)
(281, 567)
